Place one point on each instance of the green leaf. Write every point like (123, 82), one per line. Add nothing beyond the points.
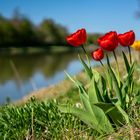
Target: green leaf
(83, 95)
(95, 97)
(92, 93)
(137, 97)
(102, 84)
(96, 75)
(126, 62)
(126, 117)
(116, 113)
(86, 104)
(108, 62)
(78, 84)
(87, 69)
(124, 92)
(83, 115)
(103, 89)
(102, 119)
(116, 85)
(128, 85)
(100, 97)
(70, 77)
(109, 78)
(97, 113)
(131, 71)
(81, 89)
(99, 121)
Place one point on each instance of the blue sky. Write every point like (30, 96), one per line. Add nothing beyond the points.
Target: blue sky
(94, 15)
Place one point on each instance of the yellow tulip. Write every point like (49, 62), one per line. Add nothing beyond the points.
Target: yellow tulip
(136, 45)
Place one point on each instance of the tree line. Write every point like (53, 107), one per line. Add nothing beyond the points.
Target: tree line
(20, 31)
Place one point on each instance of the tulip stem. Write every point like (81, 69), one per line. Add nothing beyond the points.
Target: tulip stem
(101, 63)
(115, 57)
(130, 55)
(86, 56)
(117, 66)
(84, 49)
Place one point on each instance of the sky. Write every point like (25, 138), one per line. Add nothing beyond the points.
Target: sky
(93, 15)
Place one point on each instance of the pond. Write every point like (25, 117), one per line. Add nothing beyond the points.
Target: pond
(22, 73)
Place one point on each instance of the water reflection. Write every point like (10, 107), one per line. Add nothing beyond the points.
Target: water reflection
(27, 65)
(20, 74)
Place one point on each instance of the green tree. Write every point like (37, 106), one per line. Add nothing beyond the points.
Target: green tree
(7, 32)
(92, 38)
(26, 31)
(19, 30)
(53, 33)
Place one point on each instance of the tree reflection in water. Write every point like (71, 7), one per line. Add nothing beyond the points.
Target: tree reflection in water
(28, 65)
(20, 73)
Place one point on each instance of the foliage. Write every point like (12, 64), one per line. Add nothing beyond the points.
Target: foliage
(52, 32)
(19, 30)
(107, 100)
(92, 38)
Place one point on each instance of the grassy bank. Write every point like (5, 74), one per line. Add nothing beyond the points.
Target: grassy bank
(43, 120)
(64, 89)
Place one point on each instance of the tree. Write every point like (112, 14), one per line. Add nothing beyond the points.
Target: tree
(7, 32)
(92, 38)
(52, 32)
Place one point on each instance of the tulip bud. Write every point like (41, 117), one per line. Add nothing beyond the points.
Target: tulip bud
(98, 54)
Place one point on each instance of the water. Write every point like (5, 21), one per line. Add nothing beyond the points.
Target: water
(21, 74)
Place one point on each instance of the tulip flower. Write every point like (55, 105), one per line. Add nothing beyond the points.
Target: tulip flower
(98, 54)
(126, 39)
(78, 38)
(136, 45)
(109, 41)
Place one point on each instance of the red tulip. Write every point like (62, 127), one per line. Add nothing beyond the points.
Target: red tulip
(98, 54)
(109, 41)
(127, 38)
(78, 38)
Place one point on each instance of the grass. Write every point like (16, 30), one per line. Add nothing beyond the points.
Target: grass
(43, 121)
(40, 120)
